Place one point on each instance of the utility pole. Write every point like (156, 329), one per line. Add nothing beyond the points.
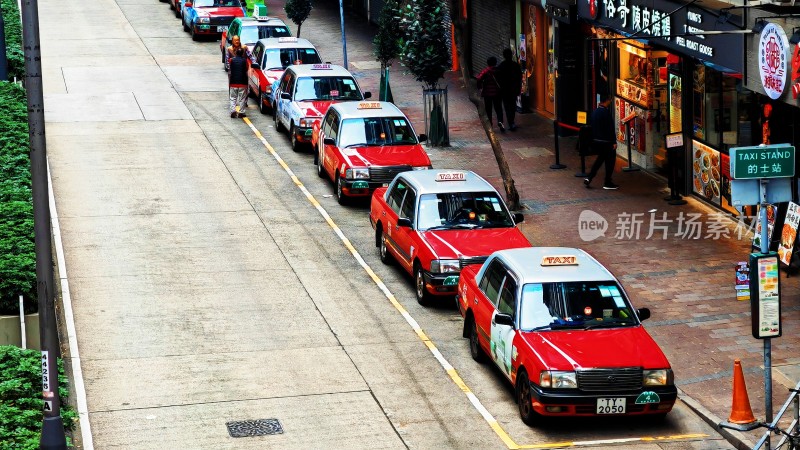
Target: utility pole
(344, 40)
(3, 57)
(52, 425)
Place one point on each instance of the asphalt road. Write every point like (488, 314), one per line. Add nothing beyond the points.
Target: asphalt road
(208, 287)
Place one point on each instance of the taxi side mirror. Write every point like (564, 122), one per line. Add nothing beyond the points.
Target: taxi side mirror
(328, 141)
(519, 218)
(286, 96)
(422, 137)
(404, 222)
(643, 313)
(367, 95)
(503, 319)
(256, 66)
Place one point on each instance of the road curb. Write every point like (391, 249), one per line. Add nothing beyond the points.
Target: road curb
(739, 440)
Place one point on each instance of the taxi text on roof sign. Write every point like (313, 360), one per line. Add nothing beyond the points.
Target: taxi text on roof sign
(451, 176)
(560, 260)
(369, 105)
(287, 39)
(321, 67)
(260, 11)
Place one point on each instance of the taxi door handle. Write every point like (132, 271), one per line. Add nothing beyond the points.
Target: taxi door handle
(476, 300)
(383, 213)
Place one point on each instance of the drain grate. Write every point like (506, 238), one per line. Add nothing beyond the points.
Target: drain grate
(250, 428)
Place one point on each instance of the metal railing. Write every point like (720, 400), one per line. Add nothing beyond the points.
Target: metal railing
(792, 429)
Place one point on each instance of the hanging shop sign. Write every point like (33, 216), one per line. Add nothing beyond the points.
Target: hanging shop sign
(773, 54)
(681, 31)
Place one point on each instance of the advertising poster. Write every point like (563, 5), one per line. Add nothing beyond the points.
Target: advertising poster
(789, 233)
(772, 210)
(742, 280)
(706, 174)
(675, 116)
(766, 297)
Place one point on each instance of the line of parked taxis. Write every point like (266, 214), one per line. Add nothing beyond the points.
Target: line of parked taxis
(556, 322)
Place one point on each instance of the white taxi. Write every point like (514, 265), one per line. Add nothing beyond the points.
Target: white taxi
(304, 94)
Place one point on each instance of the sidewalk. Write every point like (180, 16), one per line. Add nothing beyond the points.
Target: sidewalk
(687, 283)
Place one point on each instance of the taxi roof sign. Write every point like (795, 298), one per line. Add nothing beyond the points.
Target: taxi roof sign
(320, 67)
(451, 176)
(370, 105)
(260, 12)
(560, 260)
(287, 39)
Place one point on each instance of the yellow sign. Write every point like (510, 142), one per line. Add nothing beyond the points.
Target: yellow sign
(560, 260)
(582, 117)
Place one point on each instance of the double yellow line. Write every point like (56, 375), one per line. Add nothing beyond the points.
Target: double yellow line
(451, 371)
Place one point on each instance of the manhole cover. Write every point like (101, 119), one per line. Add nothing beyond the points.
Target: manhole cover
(532, 152)
(250, 428)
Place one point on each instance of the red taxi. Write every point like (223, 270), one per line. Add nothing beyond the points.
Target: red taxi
(361, 146)
(561, 329)
(271, 57)
(209, 17)
(437, 222)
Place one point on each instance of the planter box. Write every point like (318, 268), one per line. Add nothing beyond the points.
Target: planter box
(10, 331)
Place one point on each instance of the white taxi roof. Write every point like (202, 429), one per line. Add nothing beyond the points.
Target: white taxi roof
(277, 43)
(250, 21)
(528, 264)
(367, 108)
(424, 182)
(319, 70)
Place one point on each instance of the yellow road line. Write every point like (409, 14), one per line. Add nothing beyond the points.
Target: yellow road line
(449, 369)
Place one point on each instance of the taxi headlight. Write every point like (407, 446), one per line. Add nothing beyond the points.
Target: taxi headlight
(421, 167)
(660, 377)
(357, 174)
(445, 266)
(204, 20)
(557, 379)
(268, 89)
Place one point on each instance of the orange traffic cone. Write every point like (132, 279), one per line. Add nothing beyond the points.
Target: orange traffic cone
(741, 412)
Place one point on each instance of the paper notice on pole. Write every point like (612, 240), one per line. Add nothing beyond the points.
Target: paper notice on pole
(768, 297)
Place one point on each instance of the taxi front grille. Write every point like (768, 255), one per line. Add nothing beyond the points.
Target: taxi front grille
(386, 174)
(465, 261)
(220, 21)
(624, 379)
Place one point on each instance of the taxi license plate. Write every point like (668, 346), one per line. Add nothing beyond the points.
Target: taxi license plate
(611, 405)
(220, 29)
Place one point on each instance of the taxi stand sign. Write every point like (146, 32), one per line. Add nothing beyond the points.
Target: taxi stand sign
(260, 12)
(763, 161)
(765, 295)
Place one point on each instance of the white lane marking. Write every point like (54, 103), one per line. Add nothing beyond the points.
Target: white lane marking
(78, 388)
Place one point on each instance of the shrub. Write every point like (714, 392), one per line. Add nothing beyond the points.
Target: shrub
(21, 398)
(425, 49)
(13, 28)
(298, 11)
(17, 254)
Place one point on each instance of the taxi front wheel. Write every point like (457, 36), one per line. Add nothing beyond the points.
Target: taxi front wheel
(340, 197)
(526, 412)
(423, 297)
(262, 103)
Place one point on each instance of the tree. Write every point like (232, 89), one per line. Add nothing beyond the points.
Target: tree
(425, 48)
(298, 11)
(386, 45)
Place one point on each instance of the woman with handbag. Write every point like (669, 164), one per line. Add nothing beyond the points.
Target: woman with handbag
(490, 91)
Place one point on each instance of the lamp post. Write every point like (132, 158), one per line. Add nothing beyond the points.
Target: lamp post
(344, 41)
(52, 425)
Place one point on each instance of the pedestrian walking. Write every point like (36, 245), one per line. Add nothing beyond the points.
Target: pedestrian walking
(510, 78)
(490, 91)
(230, 52)
(237, 83)
(604, 142)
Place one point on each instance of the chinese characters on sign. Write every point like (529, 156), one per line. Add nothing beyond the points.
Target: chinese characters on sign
(773, 49)
(770, 161)
(742, 281)
(643, 19)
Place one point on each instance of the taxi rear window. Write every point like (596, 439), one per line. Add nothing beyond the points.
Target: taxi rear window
(584, 304)
(255, 32)
(281, 58)
(463, 210)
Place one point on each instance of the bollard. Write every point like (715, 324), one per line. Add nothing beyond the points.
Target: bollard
(558, 164)
(630, 167)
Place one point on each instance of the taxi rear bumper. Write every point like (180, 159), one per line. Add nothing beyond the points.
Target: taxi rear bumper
(549, 403)
(303, 134)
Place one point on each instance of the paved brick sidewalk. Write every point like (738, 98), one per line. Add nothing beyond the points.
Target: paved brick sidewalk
(687, 283)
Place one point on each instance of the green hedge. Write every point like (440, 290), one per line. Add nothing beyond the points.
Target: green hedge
(21, 398)
(16, 60)
(17, 255)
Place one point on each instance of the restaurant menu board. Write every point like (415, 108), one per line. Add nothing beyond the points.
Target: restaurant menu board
(706, 173)
(725, 168)
(675, 116)
(742, 280)
(772, 210)
(765, 301)
(789, 233)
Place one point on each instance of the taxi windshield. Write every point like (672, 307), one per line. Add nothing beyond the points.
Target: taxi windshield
(216, 3)
(570, 305)
(281, 58)
(462, 210)
(376, 131)
(327, 88)
(255, 32)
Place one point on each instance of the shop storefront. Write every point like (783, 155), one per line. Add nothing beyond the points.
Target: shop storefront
(667, 77)
(538, 58)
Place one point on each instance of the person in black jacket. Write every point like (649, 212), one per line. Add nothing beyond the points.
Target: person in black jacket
(510, 78)
(604, 142)
(237, 83)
